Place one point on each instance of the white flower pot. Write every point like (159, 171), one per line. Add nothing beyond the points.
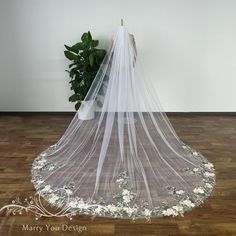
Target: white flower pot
(86, 110)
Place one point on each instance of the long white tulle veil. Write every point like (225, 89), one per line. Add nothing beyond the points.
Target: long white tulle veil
(120, 156)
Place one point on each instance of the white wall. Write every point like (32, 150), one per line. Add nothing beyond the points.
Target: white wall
(188, 48)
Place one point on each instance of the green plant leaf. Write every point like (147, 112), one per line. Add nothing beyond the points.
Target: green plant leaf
(73, 64)
(71, 56)
(77, 105)
(85, 53)
(91, 59)
(90, 36)
(94, 43)
(73, 73)
(86, 37)
(71, 49)
(100, 53)
(68, 47)
(79, 46)
(73, 98)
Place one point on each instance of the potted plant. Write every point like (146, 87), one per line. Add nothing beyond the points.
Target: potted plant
(85, 59)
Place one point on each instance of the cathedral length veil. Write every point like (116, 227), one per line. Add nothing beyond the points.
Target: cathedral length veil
(120, 157)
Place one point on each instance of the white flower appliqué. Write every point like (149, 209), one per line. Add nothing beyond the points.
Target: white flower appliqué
(169, 212)
(208, 174)
(180, 192)
(187, 203)
(198, 190)
(208, 166)
(147, 212)
(207, 185)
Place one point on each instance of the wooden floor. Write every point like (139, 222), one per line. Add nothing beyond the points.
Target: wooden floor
(23, 137)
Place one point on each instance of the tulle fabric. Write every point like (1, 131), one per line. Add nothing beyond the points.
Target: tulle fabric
(121, 130)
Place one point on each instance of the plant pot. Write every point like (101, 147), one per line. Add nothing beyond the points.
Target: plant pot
(86, 110)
